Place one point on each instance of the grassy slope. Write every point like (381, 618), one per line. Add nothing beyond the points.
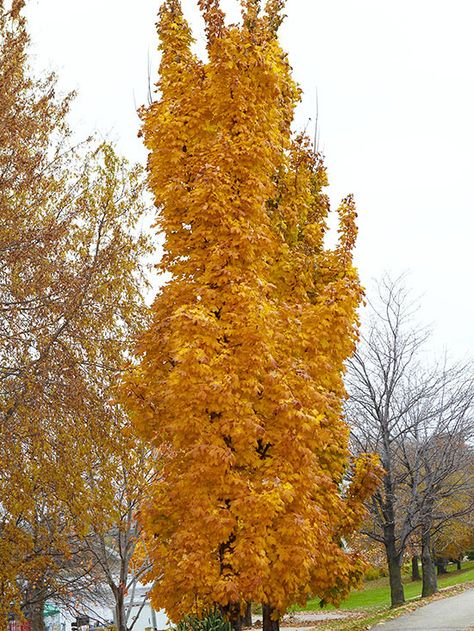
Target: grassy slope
(374, 616)
(377, 593)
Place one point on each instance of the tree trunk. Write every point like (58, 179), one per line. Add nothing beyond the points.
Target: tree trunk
(394, 562)
(120, 617)
(34, 613)
(458, 564)
(248, 615)
(36, 619)
(441, 565)
(269, 624)
(415, 569)
(232, 613)
(394, 555)
(430, 583)
(33, 608)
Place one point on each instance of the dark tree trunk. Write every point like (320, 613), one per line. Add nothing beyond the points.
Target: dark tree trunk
(430, 583)
(441, 565)
(248, 615)
(232, 614)
(36, 619)
(394, 562)
(269, 624)
(34, 611)
(415, 568)
(458, 564)
(120, 618)
(236, 622)
(393, 552)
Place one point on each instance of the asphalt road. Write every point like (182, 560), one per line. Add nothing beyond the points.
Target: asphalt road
(450, 614)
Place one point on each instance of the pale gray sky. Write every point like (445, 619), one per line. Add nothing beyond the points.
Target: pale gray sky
(396, 102)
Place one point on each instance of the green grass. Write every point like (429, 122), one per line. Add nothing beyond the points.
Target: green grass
(377, 593)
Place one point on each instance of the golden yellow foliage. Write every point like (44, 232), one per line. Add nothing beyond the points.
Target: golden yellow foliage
(239, 378)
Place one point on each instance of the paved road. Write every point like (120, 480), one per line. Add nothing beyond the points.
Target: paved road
(450, 614)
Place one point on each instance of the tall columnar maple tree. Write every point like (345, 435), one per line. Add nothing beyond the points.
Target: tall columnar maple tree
(239, 377)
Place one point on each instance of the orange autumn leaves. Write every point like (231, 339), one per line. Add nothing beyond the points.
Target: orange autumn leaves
(239, 377)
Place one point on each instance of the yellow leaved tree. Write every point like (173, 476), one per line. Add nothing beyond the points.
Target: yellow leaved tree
(238, 379)
(70, 301)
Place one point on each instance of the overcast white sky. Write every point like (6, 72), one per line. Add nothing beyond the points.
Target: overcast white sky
(396, 107)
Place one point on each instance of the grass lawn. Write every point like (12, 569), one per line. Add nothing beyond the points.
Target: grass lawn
(377, 593)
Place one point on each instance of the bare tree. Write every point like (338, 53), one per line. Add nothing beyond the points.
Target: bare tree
(118, 555)
(409, 412)
(437, 458)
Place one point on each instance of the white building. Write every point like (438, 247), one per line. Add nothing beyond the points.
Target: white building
(141, 616)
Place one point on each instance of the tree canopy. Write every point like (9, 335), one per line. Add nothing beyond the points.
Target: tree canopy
(239, 378)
